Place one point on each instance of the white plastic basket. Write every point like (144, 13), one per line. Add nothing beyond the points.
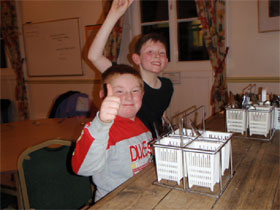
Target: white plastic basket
(277, 118)
(202, 168)
(222, 137)
(169, 159)
(236, 120)
(260, 120)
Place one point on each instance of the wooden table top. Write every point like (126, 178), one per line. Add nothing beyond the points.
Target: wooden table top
(255, 184)
(18, 136)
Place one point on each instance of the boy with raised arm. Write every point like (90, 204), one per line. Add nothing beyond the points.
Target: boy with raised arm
(150, 56)
(114, 146)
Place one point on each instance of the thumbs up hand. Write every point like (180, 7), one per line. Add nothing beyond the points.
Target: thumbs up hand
(110, 106)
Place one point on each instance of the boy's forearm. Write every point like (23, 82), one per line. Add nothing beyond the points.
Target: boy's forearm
(95, 54)
(97, 47)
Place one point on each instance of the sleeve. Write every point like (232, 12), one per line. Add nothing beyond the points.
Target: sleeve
(91, 151)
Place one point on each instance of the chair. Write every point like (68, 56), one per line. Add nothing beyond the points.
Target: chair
(7, 200)
(71, 104)
(47, 180)
(7, 111)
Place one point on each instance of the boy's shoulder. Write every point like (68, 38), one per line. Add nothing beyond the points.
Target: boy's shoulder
(166, 81)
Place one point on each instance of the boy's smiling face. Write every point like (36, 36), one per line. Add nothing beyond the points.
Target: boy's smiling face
(128, 88)
(152, 57)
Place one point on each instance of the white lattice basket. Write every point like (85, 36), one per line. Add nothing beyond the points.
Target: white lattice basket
(236, 120)
(202, 168)
(277, 118)
(202, 157)
(222, 137)
(260, 120)
(168, 156)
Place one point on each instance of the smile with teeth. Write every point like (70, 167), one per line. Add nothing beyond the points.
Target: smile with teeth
(156, 63)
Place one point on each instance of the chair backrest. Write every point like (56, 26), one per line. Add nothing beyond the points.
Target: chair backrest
(8, 111)
(47, 180)
(71, 104)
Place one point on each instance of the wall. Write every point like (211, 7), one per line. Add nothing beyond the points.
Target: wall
(44, 90)
(253, 57)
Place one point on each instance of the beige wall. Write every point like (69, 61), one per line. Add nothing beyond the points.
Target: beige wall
(253, 57)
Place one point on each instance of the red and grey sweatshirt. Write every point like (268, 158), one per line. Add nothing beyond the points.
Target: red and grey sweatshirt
(112, 152)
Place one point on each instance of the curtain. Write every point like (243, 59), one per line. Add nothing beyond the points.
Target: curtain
(113, 44)
(212, 16)
(10, 33)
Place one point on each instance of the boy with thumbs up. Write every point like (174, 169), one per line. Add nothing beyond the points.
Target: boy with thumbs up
(114, 146)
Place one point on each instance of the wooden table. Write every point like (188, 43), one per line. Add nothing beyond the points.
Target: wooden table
(255, 184)
(18, 136)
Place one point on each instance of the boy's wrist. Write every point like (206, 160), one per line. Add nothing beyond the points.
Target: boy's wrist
(113, 16)
(101, 121)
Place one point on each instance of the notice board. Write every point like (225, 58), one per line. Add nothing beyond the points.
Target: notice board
(53, 48)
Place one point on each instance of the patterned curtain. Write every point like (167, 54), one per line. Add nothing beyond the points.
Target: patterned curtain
(10, 33)
(113, 44)
(212, 16)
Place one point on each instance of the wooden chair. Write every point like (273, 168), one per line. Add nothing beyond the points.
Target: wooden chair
(47, 180)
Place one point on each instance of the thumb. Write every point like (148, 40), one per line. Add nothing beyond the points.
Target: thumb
(130, 2)
(109, 89)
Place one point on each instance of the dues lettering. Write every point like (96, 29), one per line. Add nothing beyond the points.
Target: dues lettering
(139, 151)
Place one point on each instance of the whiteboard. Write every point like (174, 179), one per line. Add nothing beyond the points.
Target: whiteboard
(53, 48)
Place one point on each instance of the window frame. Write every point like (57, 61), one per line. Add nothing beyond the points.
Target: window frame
(174, 65)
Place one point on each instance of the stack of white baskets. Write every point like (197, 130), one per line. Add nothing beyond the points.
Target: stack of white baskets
(255, 119)
(206, 157)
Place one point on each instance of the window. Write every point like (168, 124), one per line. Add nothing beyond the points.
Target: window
(178, 22)
(3, 63)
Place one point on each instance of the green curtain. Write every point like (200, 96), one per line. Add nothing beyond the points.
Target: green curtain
(113, 44)
(10, 33)
(212, 16)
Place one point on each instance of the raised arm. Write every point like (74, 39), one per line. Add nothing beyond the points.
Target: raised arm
(95, 54)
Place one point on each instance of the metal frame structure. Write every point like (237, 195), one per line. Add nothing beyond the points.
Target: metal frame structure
(195, 135)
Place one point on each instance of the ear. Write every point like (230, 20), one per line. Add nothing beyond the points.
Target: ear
(101, 94)
(136, 58)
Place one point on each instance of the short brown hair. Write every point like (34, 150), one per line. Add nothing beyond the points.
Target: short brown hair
(119, 69)
(155, 37)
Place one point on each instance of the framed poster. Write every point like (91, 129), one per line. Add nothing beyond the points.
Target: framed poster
(269, 15)
(53, 48)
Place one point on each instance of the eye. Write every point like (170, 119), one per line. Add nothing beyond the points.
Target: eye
(118, 92)
(137, 90)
